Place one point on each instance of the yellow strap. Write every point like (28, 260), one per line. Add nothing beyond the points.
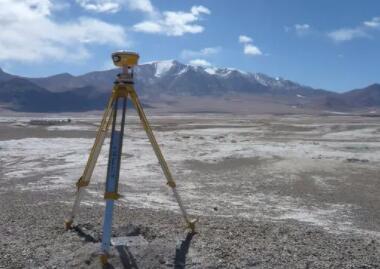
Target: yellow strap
(111, 195)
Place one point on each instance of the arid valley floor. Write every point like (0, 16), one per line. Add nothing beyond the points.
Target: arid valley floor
(270, 191)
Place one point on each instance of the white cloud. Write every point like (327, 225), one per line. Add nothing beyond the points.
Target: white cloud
(141, 5)
(29, 33)
(113, 6)
(197, 10)
(149, 27)
(245, 39)
(211, 50)
(171, 23)
(373, 23)
(205, 52)
(299, 29)
(361, 31)
(347, 34)
(174, 23)
(107, 6)
(200, 62)
(302, 27)
(249, 48)
(60, 5)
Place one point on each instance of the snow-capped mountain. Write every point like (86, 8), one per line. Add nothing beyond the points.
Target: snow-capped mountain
(173, 77)
(171, 80)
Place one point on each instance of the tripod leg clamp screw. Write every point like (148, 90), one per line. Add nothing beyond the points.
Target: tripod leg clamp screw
(68, 224)
(191, 225)
(171, 184)
(81, 183)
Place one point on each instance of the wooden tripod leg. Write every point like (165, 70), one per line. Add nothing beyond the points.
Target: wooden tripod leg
(160, 157)
(84, 180)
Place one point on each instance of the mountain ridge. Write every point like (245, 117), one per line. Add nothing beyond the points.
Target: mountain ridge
(170, 80)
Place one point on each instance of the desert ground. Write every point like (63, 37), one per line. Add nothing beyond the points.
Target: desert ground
(270, 191)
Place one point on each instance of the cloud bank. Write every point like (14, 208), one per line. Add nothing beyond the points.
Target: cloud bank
(30, 33)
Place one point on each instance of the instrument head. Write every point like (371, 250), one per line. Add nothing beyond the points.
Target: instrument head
(125, 58)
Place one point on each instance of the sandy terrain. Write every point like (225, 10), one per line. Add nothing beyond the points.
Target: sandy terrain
(270, 192)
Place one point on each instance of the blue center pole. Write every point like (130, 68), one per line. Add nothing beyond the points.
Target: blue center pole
(111, 187)
(113, 171)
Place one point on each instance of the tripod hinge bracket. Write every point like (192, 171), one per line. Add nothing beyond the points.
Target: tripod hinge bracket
(120, 90)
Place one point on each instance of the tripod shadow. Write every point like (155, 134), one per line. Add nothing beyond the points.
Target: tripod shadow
(82, 234)
(126, 257)
(181, 252)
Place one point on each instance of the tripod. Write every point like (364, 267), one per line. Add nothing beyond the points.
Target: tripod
(114, 115)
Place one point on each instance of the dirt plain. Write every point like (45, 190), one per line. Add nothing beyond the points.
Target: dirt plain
(270, 191)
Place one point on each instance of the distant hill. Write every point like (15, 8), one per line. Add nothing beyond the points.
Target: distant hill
(5, 76)
(366, 97)
(22, 95)
(174, 86)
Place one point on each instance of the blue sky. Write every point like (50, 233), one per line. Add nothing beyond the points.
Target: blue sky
(333, 45)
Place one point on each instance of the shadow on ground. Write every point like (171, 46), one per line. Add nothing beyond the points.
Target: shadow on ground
(87, 237)
(181, 252)
(127, 259)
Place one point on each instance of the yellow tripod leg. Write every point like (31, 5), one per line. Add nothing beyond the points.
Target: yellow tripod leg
(160, 157)
(84, 180)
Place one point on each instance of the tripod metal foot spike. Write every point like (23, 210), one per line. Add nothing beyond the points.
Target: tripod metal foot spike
(122, 90)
